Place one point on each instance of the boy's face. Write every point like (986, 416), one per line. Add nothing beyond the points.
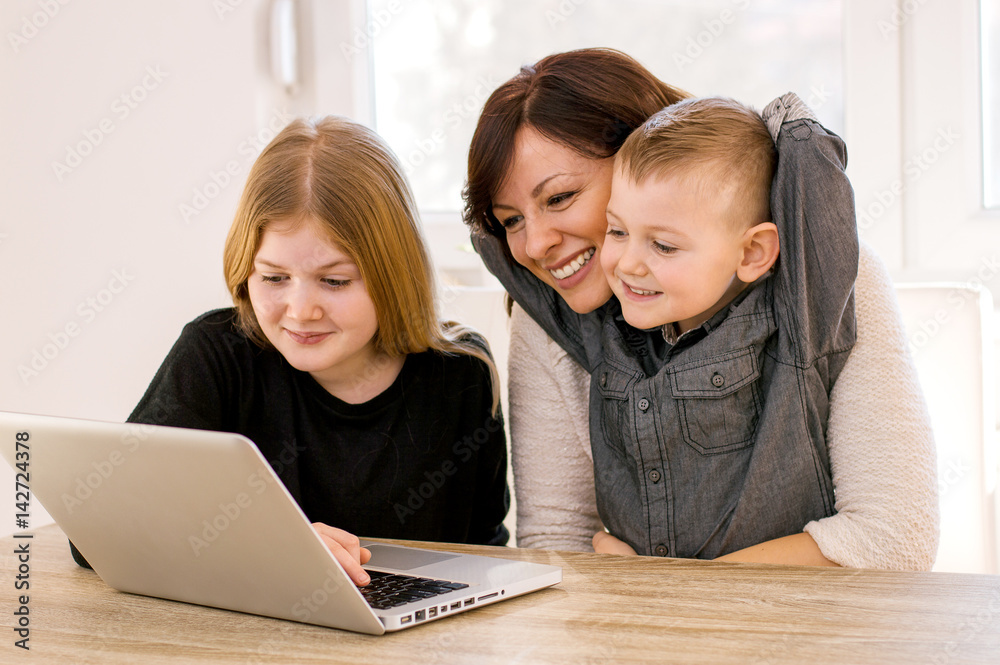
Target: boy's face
(671, 253)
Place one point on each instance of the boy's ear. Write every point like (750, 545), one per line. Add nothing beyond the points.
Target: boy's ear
(760, 251)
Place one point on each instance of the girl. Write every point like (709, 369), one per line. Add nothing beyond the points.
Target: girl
(376, 416)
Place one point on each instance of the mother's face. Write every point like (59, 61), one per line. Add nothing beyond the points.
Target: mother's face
(553, 207)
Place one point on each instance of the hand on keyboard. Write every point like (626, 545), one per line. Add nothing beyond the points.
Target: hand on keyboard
(347, 548)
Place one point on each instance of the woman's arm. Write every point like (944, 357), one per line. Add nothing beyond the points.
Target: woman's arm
(882, 453)
(550, 442)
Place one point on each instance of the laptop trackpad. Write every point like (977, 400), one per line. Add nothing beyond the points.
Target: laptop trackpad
(400, 558)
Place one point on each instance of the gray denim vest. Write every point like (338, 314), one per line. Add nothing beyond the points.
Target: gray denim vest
(718, 442)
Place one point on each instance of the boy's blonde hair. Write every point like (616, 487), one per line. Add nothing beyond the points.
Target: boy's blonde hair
(721, 145)
(343, 176)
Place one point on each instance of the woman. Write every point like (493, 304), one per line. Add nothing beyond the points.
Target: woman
(538, 185)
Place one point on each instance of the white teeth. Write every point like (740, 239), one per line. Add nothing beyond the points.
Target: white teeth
(639, 292)
(573, 266)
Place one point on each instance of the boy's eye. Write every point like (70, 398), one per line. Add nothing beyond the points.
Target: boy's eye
(615, 233)
(664, 249)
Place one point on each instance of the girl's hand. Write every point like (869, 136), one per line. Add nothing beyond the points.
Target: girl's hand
(347, 548)
(605, 543)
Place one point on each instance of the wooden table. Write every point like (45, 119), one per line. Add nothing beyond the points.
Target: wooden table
(607, 609)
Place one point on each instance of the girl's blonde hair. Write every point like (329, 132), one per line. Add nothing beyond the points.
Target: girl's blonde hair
(343, 176)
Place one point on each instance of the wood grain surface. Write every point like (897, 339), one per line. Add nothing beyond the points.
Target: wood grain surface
(607, 609)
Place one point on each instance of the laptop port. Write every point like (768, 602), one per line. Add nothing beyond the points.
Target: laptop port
(420, 615)
(432, 612)
(407, 619)
(488, 596)
(469, 601)
(456, 606)
(444, 608)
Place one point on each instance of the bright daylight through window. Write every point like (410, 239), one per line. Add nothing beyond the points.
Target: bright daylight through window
(436, 63)
(991, 101)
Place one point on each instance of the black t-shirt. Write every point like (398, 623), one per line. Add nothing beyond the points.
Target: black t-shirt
(424, 460)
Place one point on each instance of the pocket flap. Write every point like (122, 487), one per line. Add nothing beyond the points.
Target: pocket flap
(717, 376)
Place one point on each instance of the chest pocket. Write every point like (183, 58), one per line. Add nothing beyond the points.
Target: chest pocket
(615, 385)
(718, 400)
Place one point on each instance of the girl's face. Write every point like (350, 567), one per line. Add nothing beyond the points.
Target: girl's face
(311, 304)
(553, 207)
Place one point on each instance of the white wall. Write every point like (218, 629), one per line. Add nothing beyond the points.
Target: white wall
(101, 265)
(200, 96)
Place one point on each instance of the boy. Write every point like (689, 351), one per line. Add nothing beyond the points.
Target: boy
(708, 416)
(753, 347)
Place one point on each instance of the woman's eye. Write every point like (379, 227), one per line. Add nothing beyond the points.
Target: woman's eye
(337, 283)
(664, 249)
(510, 222)
(271, 279)
(560, 198)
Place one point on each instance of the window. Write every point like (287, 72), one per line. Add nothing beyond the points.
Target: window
(434, 64)
(990, 22)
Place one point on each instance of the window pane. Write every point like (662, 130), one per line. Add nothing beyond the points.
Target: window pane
(436, 62)
(991, 102)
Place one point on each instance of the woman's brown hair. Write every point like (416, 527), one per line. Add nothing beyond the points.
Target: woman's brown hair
(343, 176)
(589, 100)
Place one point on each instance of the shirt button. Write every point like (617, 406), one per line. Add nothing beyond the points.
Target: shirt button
(654, 475)
(718, 380)
(661, 550)
(643, 404)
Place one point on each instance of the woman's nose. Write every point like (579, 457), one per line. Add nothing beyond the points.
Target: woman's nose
(541, 237)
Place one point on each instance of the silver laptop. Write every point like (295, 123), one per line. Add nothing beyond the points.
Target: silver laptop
(201, 517)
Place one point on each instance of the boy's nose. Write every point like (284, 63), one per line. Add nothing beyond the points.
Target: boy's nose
(631, 261)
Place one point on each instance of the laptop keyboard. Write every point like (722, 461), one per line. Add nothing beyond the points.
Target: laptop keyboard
(388, 590)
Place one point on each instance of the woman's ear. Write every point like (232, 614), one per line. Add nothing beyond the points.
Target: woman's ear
(760, 251)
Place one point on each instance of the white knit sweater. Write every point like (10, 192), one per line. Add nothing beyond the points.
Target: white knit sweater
(881, 448)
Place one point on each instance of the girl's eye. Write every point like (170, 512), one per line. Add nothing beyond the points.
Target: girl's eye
(271, 279)
(615, 233)
(337, 283)
(664, 249)
(560, 198)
